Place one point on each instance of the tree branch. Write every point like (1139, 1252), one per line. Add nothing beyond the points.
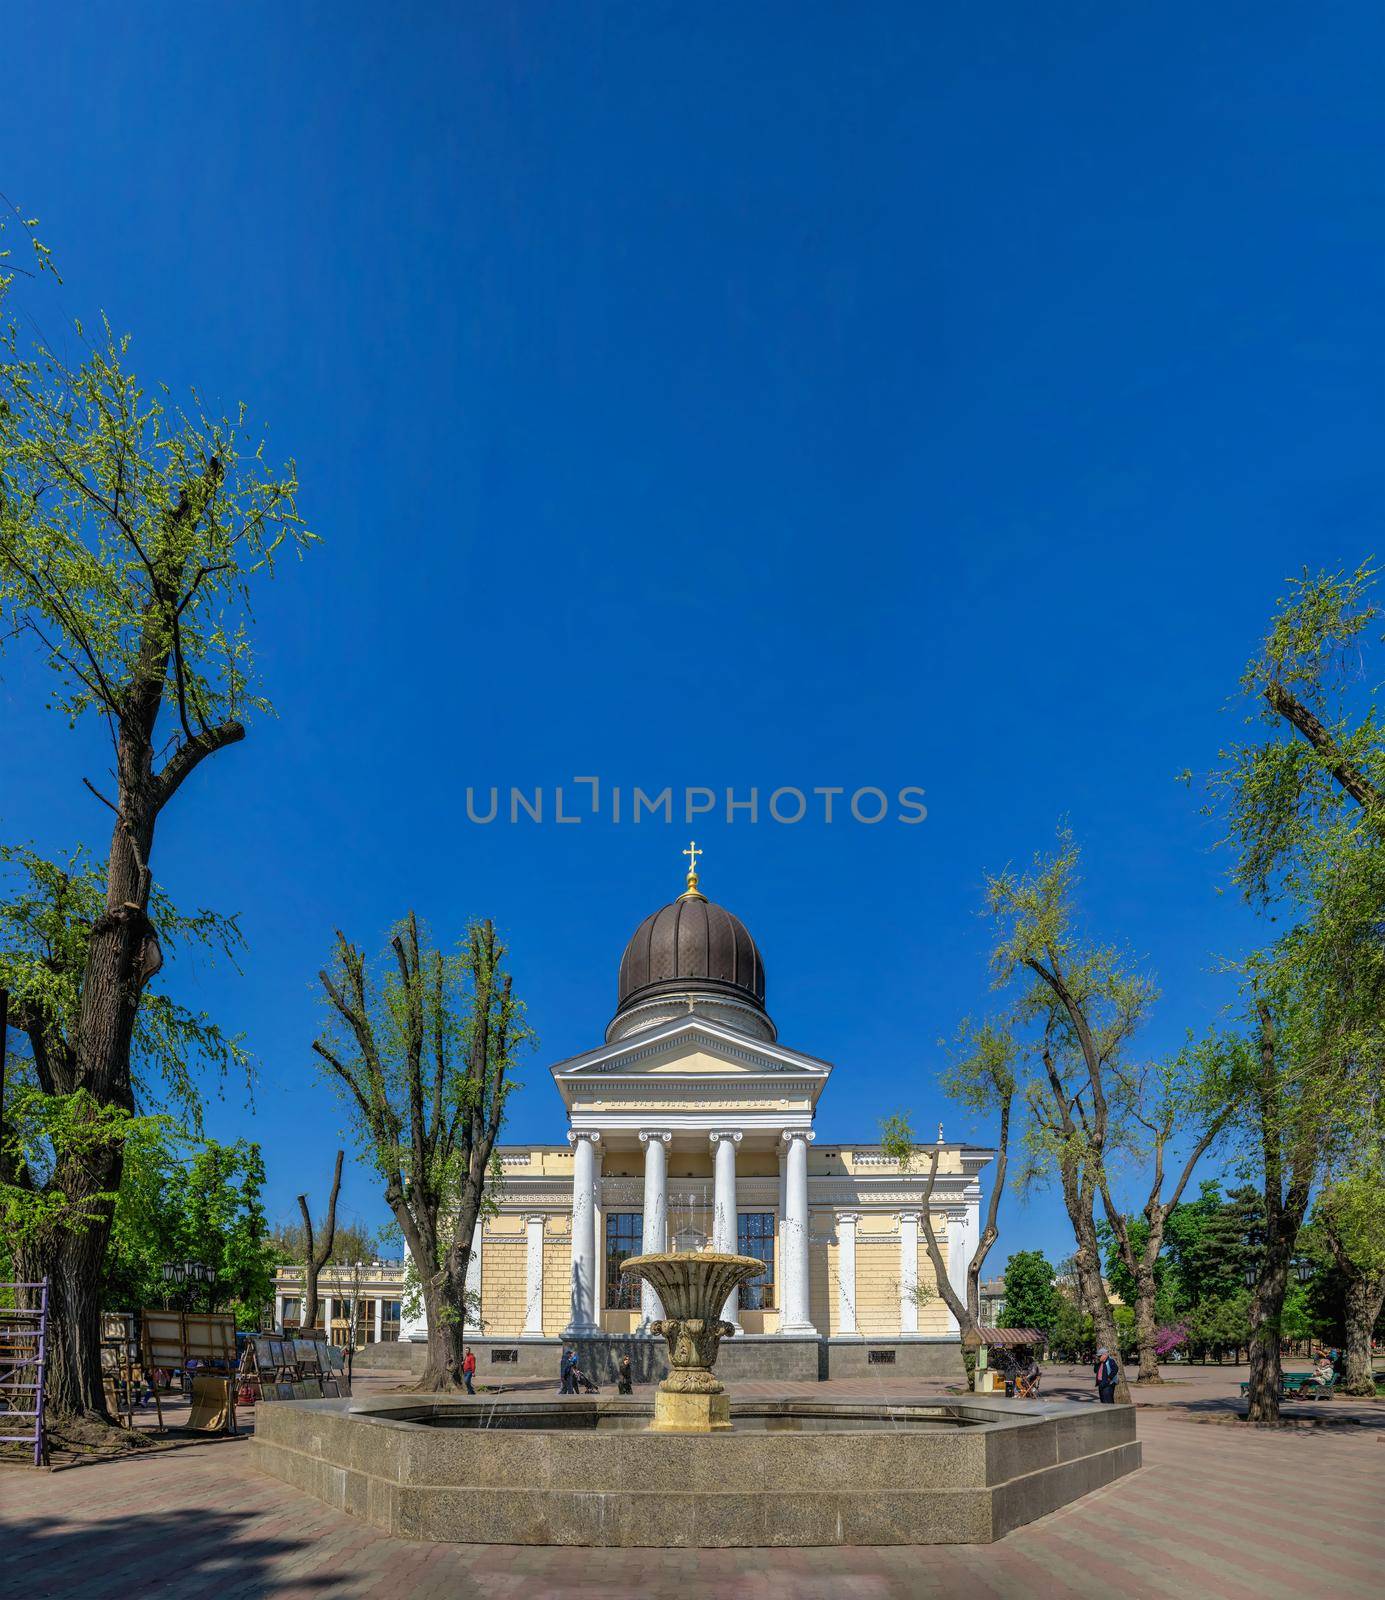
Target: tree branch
(1348, 777)
(188, 757)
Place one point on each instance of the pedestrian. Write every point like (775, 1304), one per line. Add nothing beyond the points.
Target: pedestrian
(567, 1367)
(625, 1383)
(1106, 1370)
(469, 1370)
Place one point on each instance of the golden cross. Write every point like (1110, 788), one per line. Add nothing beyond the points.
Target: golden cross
(692, 853)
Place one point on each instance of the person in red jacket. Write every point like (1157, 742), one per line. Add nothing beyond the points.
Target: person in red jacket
(469, 1370)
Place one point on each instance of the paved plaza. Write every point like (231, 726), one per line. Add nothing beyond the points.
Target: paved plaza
(1217, 1510)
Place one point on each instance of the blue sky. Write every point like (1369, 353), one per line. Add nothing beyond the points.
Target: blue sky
(734, 396)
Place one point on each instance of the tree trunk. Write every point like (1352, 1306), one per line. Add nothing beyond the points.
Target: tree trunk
(1266, 1319)
(72, 1262)
(1365, 1295)
(122, 952)
(1144, 1325)
(1087, 1261)
(443, 1370)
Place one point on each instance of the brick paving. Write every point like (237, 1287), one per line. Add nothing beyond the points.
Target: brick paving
(1217, 1510)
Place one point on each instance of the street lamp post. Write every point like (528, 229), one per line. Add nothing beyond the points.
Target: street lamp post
(186, 1275)
(175, 1276)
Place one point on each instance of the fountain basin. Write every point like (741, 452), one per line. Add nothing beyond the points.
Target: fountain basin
(584, 1470)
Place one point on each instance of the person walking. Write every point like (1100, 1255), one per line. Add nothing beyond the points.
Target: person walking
(625, 1383)
(469, 1370)
(1106, 1370)
(567, 1368)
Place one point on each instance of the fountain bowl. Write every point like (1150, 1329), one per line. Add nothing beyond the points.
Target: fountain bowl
(693, 1286)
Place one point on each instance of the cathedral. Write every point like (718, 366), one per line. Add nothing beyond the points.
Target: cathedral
(691, 1123)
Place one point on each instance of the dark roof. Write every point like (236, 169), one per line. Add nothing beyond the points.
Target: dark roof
(691, 944)
(1009, 1338)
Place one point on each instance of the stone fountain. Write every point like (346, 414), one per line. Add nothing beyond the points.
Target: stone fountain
(692, 1286)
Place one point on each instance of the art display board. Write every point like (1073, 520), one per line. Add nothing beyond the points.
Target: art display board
(275, 1368)
(210, 1336)
(213, 1404)
(119, 1365)
(163, 1338)
(178, 1338)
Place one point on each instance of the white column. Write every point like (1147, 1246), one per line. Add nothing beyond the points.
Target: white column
(957, 1261)
(794, 1318)
(583, 1323)
(846, 1272)
(908, 1273)
(533, 1278)
(473, 1280)
(783, 1212)
(414, 1328)
(326, 1316)
(724, 1211)
(379, 1316)
(278, 1311)
(655, 1214)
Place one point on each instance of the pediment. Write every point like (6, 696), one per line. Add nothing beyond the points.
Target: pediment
(690, 1048)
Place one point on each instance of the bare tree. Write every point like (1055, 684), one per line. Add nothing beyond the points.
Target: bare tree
(424, 1057)
(318, 1252)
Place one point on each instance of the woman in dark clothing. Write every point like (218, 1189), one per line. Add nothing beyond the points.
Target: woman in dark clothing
(625, 1383)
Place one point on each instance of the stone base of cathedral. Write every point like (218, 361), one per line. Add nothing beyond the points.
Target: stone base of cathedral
(759, 1356)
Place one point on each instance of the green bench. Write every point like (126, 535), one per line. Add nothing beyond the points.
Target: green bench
(1302, 1386)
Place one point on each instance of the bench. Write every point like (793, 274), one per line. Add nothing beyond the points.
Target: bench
(1302, 1386)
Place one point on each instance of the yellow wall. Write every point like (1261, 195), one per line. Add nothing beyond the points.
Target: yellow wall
(877, 1280)
(557, 1284)
(502, 1286)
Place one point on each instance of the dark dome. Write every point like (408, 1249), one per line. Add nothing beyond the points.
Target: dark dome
(691, 945)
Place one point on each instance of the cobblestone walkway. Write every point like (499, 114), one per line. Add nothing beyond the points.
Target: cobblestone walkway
(1217, 1510)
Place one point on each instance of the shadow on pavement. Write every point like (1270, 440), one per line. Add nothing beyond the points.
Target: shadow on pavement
(183, 1552)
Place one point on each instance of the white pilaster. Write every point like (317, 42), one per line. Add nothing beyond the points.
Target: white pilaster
(846, 1272)
(533, 1278)
(724, 1211)
(473, 1281)
(379, 1318)
(794, 1318)
(655, 1235)
(279, 1311)
(327, 1316)
(908, 1273)
(583, 1323)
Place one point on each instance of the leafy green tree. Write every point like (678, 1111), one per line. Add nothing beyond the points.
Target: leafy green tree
(181, 1199)
(1071, 1337)
(424, 1059)
(1080, 1006)
(1031, 1300)
(1221, 1323)
(1210, 1244)
(1187, 1099)
(1350, 1218)
(1304, 802)
(131, 535)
